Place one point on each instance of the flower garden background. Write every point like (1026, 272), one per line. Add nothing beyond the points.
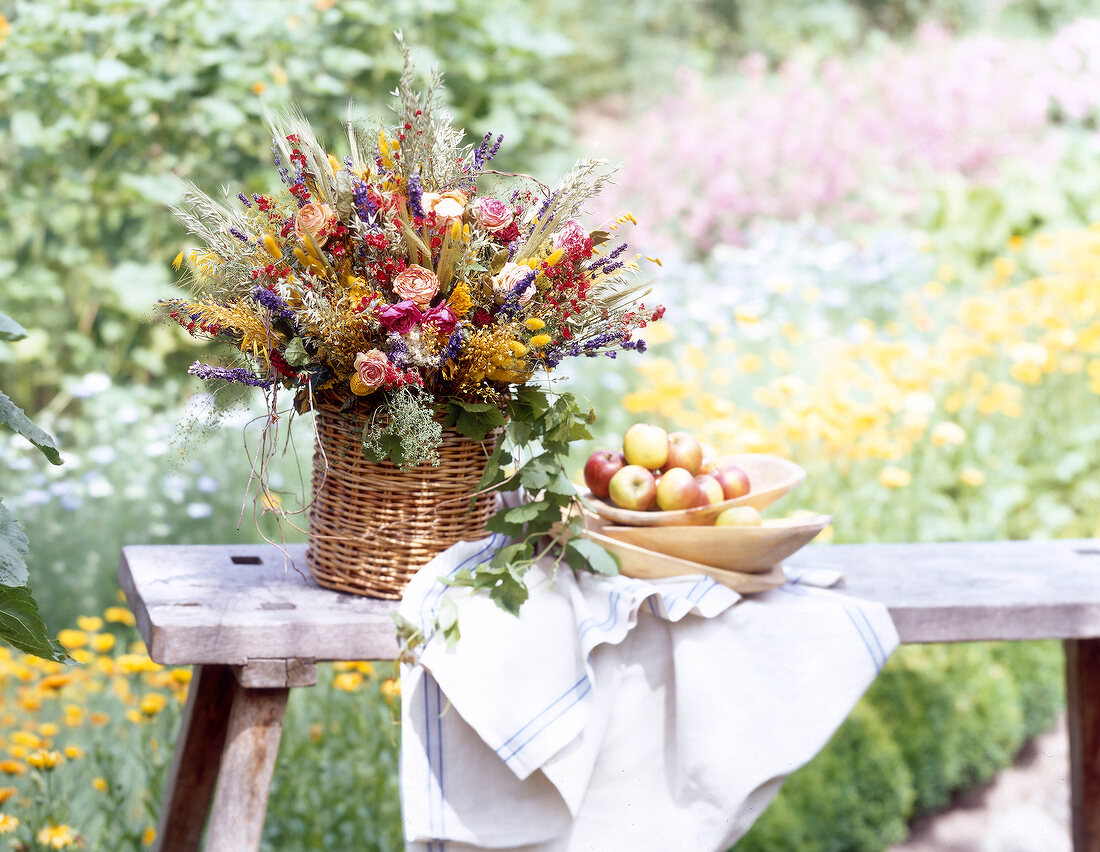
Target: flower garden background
(880, 236)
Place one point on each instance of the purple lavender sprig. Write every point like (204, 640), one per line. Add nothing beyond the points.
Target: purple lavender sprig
(486, 150)
(415, 192)
(278, 308)
(236, 375)
(511, 301)
(453, 347)
(244, 200)
(636, 345)
(363, 205)
(399, 351)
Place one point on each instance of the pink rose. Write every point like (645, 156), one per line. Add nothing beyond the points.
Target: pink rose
(418, 284)
(492, 214)
(401, 317)
(510, 277)
(573, 240)
(372, 368)
(317, 219)
(442, 317)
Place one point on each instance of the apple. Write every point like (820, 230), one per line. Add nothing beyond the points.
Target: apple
(711, 487)
(679, 490)
(646, 445)
(732, 478)
(739, 516)
(710, 455)
(632, 487)
(684, 451)
(600, 467)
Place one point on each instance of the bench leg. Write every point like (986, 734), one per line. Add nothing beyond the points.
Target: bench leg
(194, 768)
(247, 764)
(1083, 711)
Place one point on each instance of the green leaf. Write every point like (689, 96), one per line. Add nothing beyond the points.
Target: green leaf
(583, 553)
(498, 524)
(13, 550)
(523, 513)
(22, 627)
(10, 329)
(295, 353)
(507, 556)
(473, 420)
(537, 473)
(561, 486)
(12, 415)
(447, 621)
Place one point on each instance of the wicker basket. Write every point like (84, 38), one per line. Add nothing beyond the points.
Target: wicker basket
(372, 526)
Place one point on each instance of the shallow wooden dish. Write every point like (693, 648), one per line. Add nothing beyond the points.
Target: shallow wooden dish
(770, 477)
(650, 565)
(748, 550)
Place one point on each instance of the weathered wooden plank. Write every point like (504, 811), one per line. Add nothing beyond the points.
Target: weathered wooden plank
(248, 762)
(194, 768)
(198, 605)
(1083, 706)
(261, 674)
(961, 592)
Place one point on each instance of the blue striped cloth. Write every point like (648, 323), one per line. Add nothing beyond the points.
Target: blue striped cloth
(617, 713)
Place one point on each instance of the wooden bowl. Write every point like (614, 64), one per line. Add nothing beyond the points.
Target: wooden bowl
(651, 565)
(747, 550)
(770, 477)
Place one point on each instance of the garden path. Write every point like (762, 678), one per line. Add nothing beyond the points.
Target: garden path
(1025, 808)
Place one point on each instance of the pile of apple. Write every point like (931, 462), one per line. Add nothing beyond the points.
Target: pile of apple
(667, 471)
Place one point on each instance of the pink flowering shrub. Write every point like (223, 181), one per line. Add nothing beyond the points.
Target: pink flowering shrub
(845, 140)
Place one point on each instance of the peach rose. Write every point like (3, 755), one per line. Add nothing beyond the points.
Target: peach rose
(315, 218)
(371, 368)
(449, 205)
(492, 214)
(510, 277)
(418, 284)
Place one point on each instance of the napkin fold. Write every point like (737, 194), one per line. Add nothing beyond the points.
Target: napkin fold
(618, 713)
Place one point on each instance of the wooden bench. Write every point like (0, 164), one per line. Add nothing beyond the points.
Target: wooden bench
(254, 627)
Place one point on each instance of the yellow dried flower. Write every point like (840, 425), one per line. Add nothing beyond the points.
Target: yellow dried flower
(149, 836)
(6, 793)
(539, 341)
(90, 623)
(8, 823)
(82, 656)
(459, 300)
(74, 715)
(99, 784)
(49, 729)
(74, 752)
(534, 324)
(26, 738)
(12, 767)
(948, 434)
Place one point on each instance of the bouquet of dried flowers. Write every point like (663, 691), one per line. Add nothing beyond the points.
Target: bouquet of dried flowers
(391, 284)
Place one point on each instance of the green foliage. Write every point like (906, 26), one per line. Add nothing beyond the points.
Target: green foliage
(21, 624)
(530, 454)
(855, 795)
(955, 714)
(408, 435)
(1039, 671)
(105, 100)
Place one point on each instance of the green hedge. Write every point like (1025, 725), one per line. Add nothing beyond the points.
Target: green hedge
(938, 719)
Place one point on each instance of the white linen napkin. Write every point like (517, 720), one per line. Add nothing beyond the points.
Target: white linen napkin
(617, 713)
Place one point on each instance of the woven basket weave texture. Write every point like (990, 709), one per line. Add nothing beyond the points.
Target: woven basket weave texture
(372, 525)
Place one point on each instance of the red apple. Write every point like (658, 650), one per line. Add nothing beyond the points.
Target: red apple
(711, 487)
(732, 478)
(684, 451)
(632, 487)
(679, 490)
(739, 516)
(646, 445)
(600, 467)
(710, 455)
